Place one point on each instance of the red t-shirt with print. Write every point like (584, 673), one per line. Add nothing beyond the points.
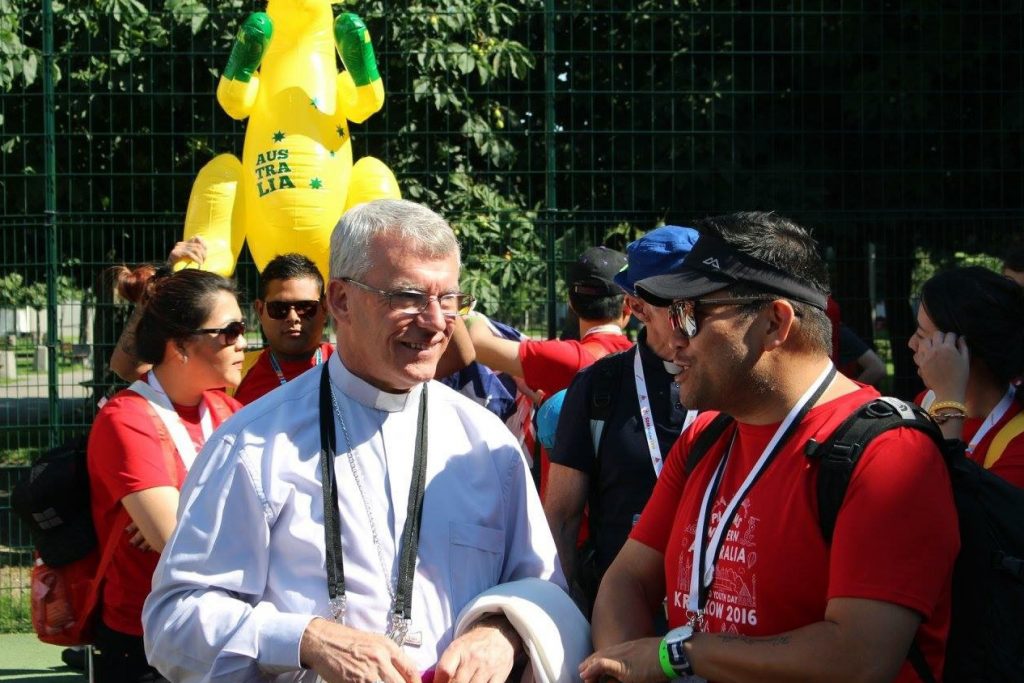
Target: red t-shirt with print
(895, 539)
(125, 456)
(550, 365)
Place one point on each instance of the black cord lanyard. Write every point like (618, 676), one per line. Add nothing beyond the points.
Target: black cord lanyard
(704, 588)
(402, 607)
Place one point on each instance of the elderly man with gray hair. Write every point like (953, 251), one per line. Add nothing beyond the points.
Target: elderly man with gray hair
(428, 500)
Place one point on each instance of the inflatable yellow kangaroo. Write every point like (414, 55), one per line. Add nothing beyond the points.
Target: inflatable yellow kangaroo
(296, 176)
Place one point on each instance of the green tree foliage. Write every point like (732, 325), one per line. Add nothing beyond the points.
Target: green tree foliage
(454, 62)
(451, 62)
(895, 125)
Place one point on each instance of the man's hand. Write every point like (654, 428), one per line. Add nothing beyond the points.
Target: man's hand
(635, 661)
(339, 653)
(484, 654)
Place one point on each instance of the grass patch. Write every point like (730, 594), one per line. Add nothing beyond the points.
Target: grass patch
(15, 600)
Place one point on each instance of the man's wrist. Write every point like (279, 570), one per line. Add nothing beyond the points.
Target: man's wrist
(671, 653)
(501, 624)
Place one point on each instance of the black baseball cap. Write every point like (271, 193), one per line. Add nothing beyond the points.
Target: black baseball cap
(713, 264)
(594, 272)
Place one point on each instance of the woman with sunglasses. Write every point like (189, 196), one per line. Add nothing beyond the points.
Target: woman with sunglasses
(969, 350)
(190, 330)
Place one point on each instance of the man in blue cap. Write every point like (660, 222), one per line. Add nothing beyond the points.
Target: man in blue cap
(619, 418)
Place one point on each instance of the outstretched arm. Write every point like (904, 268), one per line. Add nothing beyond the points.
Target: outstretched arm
(500, 355)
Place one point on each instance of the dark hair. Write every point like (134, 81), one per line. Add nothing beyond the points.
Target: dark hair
(782, 243)
(600, 308)
(986, 308)
(289, 267)
(1014, 258)
(174, 305)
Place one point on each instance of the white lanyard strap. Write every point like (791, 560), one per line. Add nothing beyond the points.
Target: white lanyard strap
(709, 556)
(157, 397)
(993, 418)
(647, 415)
(276, 367)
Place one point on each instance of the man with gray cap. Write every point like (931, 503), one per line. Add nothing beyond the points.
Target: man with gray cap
(549, 365)
(620, 416)
(734, 540)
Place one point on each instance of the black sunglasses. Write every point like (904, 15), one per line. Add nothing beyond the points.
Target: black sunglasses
(232, 331)
(683, 314)
(278, 310)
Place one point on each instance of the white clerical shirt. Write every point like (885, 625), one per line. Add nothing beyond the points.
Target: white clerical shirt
(244, 572)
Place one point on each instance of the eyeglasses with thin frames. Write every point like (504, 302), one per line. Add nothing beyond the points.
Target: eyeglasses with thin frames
(232, 331)
(683, 313)
(278, 310)
(413, 302)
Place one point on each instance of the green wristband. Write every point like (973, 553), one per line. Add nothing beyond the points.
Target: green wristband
(666, 663)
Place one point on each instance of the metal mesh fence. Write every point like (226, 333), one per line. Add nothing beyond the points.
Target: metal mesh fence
(892, 129)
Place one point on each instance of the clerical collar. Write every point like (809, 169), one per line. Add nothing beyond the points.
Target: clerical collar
(362, 392)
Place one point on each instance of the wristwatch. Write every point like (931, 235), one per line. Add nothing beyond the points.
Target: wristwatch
(674, 662)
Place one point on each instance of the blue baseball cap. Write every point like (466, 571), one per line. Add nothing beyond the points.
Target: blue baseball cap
(660, 251)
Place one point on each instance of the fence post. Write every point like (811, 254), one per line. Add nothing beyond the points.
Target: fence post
(8, 364)
(50, 221)
(550, 196)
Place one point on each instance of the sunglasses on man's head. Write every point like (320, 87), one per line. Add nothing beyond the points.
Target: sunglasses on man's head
(278, 310)
(232, 331)
(682, 314)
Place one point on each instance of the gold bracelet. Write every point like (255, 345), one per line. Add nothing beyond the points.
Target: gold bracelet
(943, 418)
(934, 408)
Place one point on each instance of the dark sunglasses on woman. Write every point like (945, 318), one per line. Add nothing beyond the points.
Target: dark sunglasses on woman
(232, 331)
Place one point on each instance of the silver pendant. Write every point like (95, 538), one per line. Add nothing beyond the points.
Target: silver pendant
(336, 607)
(398, 632)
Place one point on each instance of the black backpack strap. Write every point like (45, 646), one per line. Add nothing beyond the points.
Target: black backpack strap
(605, 385)
(839, 454)
(706, 439)
(604, 388)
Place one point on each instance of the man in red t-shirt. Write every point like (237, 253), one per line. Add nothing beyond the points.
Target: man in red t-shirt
(754, 592)
(292, 314)
(548, 366)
